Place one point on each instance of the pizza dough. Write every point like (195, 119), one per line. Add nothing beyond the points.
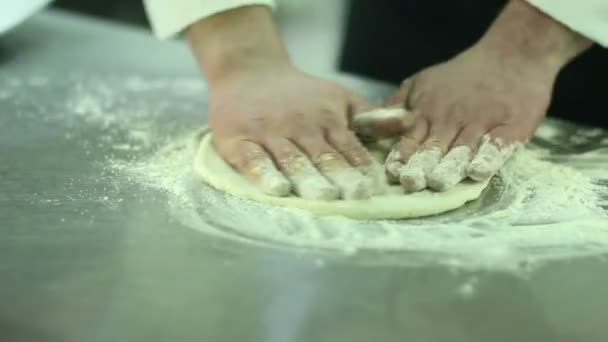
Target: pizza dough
(393, 204)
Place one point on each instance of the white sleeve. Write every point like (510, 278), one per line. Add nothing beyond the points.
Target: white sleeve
(169, 17)
(587, 17)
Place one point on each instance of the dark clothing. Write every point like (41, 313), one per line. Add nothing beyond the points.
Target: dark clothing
(390, 40)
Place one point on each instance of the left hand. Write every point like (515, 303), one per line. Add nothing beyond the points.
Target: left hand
(472, 111)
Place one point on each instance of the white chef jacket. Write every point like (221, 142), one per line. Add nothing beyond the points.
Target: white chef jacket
(16, 11)
(169, 17)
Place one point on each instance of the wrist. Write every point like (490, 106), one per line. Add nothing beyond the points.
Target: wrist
(236, 41)
(524, 34)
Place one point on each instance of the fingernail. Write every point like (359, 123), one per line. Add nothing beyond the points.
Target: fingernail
(359, 191)
(375, 174)
(393, 164)
(451, 170)
(352, 184)
(413, 180)
(314, 189)
(413, 174)
(271, 181)
(487, 161)
(276, 186)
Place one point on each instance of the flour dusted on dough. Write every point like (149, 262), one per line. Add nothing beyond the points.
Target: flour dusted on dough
(392, 204)
(535, 211)
(546, 205)
(451, 170)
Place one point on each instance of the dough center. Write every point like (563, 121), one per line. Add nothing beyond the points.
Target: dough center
(393, 204)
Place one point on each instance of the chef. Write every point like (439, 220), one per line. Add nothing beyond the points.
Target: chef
(476, 77)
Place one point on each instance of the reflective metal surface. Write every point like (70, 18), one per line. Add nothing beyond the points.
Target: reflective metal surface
(85, 256)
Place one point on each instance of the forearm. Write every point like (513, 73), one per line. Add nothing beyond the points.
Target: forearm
(238, 39)
(522, 31)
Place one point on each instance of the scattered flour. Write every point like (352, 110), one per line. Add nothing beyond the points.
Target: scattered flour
(535, 211)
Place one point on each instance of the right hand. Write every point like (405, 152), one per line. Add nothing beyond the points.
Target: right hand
(287, 131)
(284, 130)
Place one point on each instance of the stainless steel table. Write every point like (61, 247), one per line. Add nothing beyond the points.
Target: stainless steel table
(76, 264)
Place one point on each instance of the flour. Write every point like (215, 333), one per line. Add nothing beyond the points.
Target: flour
(413, 174)
(307, 181)
(271, 181)
(353, 184)
(376, 174)
(451, 170)
(490, 158)
(533, 212)
(393, 166)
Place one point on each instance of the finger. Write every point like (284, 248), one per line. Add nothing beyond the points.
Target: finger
(393, 165)
(346, 143)
(414, 176)
(496, 147)
(400, 97)
(404, 150)
(442, 134)
(452, 168)
(351, 183)
(471, 136)
(252, 161)
(382, 122)
(385, 145)
(359, 104)
(307, 181)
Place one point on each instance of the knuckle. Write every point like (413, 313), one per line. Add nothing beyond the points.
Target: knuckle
(500, 113)
(347, 143)
(418, 99)
(332, 121)
(407, 142)
(432, 141)
(305, 136)
(293, 163)
(310, 142)
(247, 161)
(329, 162)
(407, 147)
(458, 115)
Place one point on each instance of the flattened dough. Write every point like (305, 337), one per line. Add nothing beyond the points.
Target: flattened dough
(393, 204)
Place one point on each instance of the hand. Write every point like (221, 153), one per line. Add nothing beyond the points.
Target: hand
(282, 128)
(471, 98)
(475, 109)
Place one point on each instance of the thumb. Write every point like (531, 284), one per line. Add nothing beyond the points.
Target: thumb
(401, 96)
(382, 122)
(359, 104)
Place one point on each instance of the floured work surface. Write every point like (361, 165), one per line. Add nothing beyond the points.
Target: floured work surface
(535, 210)
(539, 208)
(392, 204)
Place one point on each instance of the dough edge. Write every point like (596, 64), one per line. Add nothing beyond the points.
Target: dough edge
(212, 168)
